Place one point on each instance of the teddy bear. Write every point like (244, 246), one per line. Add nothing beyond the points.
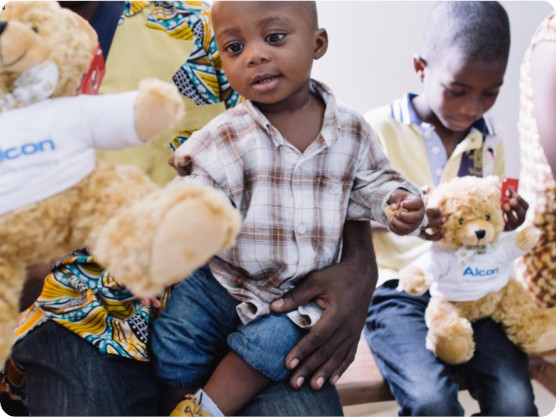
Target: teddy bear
(469, 274)
(56, 197)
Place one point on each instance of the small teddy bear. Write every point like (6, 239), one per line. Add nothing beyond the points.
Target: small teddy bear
(468, 272)
(56, 198)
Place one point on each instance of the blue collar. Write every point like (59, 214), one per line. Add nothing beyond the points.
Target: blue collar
(404, 112)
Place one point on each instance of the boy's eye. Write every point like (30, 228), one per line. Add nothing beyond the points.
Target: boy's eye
(275, 37)
(234, 48)
(456, 93)
(491, 93)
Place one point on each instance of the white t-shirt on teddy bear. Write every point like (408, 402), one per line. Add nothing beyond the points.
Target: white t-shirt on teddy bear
(50, 146)
(465, 275)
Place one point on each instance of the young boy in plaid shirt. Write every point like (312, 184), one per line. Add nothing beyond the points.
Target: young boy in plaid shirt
(297, 165)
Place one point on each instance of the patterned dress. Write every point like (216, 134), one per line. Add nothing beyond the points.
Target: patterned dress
(537, 269)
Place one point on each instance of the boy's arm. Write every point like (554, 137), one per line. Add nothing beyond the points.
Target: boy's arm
(344, 293)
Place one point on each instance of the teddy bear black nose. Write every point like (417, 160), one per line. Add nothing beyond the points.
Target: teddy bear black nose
(480, 234)
(3, 26)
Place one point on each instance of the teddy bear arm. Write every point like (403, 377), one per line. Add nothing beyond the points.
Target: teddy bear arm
(527, 238)
(413, 280)
(158, 106)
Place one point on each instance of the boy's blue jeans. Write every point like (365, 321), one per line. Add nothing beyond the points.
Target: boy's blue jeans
(200, 322)
(497, 376)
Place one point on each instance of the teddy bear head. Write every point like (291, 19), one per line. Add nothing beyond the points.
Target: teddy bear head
(471, 206)
(43, 47)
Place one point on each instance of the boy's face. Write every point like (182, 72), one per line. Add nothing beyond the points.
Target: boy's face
(460, 91)
(267, 48)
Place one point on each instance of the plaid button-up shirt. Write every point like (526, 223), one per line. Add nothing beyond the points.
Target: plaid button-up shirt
(293, 204)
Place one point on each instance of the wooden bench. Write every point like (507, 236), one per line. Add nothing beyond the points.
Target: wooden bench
(362, 382)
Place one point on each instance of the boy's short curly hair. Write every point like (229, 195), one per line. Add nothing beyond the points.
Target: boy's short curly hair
(480, 29)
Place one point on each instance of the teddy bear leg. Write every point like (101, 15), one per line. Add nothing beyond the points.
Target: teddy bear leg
(529, 326)
(164, 237)
(450, 336)
(12, 279)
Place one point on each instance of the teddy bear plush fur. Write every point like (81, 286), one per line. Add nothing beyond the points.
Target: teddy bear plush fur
(468, 274)
(147, 237)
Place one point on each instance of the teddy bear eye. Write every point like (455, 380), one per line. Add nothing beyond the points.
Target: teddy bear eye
(35, 29)
(460, 221)
(487, 217)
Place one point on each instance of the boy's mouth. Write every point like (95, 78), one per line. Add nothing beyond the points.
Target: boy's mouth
(264, 79)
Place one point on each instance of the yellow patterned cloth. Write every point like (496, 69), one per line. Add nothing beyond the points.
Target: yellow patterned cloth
(538, 268)
(82, 297)
(174, 42)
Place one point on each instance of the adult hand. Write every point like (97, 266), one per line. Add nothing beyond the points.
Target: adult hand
(344, 293)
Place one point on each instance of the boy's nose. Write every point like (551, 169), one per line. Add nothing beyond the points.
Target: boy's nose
(256, 54)
(472, 108)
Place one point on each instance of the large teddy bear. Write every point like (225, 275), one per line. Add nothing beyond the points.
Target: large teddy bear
(468, 274)
(56, 198)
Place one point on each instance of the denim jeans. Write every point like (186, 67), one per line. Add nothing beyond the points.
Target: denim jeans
(200, 322)
(67, 376)
(497, 376)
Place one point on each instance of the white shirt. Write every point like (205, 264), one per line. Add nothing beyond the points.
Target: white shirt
(465, 275)
(49, 146)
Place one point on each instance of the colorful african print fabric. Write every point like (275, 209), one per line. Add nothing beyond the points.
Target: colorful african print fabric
(201, 78)
(82, 297)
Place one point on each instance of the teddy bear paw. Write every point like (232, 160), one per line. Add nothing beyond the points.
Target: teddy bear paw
(197, 233)
(158, 106)
(546, 342)
(413, 281)
(451, 349)
(527, 238)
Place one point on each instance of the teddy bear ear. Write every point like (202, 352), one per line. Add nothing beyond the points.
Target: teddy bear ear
(14, 9)
(84, 27)
(437, 198)
(493, 185)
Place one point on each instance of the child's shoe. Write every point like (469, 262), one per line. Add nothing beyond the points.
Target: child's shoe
(189, 406)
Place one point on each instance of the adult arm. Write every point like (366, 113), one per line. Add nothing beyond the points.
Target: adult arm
(344, 293)
(543, 75)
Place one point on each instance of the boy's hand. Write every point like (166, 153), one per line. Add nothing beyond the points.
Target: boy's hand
(434, 220)
(344, 293)
(151, 301)
(405, 212)
(514, 211)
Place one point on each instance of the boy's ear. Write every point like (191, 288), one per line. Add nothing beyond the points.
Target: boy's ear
(321, 43)
(419, 65)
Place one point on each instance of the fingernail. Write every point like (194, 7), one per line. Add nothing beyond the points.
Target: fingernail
(300, 381)
(278, 303)
(294, 363)
(334, 379)
(320, 382)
